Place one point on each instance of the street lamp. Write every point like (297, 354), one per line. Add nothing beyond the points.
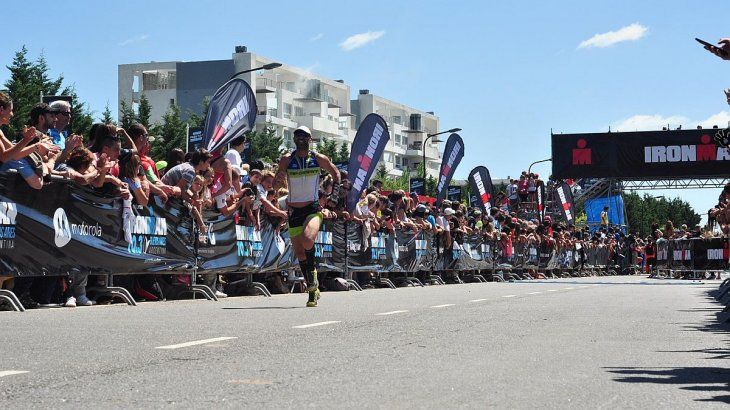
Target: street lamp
(428, 137)
(269, 66)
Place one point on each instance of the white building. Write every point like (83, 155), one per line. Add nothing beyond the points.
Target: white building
(287, 97)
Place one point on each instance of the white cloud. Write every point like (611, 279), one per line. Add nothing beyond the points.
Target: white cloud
(132, 40)
(628, 33)
(656, 122)
(316, 37)
(359, 40)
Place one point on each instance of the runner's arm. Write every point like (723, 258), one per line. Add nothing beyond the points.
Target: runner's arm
(280, 177)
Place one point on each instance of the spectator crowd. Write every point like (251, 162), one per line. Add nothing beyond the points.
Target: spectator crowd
(117, 161)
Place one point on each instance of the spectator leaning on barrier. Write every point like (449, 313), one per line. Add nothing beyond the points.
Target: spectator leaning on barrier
(182, 175)
(142, 141)
(23, 148)
(41, 159)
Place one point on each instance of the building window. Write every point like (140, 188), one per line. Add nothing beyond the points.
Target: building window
(405, 140)
(299, 111)
(172, 101)
(397, 139)
(287, 111)
(397, 119)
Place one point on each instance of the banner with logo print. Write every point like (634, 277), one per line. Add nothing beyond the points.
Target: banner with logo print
(367, 149)
(566, 200)
(195, 138)
(645, 154)
(453, 153)
(66, 227)
(231, 113)
(481, 187)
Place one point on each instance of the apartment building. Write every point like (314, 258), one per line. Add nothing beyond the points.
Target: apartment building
(287, 97)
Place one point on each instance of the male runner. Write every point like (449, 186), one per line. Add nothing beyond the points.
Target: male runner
(302, 169)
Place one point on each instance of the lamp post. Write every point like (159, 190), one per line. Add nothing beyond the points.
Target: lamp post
(269, 66)
(428, 137)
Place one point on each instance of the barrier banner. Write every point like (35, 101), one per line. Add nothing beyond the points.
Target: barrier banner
(453, 153)
(645, 154)
(566, 200)
(662, 254)
(367, 149)
(413, 248)
(66, 228)
(231, 113)
(417, 185)
(681, 254)
(482, 188)
(324, 247)
(710, 254)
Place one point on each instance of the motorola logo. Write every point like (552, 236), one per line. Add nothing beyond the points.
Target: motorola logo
(61, 227)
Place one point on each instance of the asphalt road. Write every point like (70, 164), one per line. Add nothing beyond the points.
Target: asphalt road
(584, 343)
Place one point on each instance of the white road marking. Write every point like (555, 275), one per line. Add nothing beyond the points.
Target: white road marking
(567, 288)
(315, 324)
(442, 306)
(195, 343)
(4, 373)
(582, 287)
(395, 312)
(477, 300)
(509, 296)
(534, 293)
(553, 290)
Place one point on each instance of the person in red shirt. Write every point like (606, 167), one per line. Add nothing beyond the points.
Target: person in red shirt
(138, 134)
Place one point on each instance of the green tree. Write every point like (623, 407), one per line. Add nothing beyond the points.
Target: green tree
(343, 155)
(127, 116)
(144, 112)
(173, 133)
(28, 81)
(643, 211)
(381, 173)
(265, 144)
(106, 116)
(401, 182)
(198, 120)
(430, 186)
(328, 147)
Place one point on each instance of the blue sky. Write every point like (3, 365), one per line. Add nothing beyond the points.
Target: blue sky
(505, 72)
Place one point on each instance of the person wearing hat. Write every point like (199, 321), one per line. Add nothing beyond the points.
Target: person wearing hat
(301, 168)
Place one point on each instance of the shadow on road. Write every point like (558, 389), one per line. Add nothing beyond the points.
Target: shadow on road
(709, 379)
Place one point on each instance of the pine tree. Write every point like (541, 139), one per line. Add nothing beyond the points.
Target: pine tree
(106, 116)
(343, 155)
(328, 147)
(266, 145)
(144, 111)
(28, 81)
(127, 115)
(172, 132)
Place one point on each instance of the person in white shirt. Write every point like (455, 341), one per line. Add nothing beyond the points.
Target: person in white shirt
(233, 155)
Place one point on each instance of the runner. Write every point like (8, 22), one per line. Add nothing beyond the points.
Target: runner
(302, 169)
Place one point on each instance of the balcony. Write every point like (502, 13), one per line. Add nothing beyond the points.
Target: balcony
(266, 85)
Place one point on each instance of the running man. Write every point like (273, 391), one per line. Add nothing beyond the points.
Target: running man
(302, 169)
